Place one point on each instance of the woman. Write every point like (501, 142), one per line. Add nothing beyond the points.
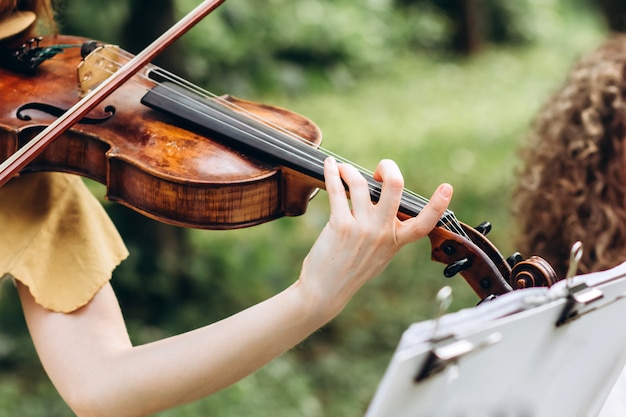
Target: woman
(572, 186)
(61, 252)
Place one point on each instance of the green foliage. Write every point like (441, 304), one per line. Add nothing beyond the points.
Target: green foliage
(290, 45)
(293, 46)
(35, 398)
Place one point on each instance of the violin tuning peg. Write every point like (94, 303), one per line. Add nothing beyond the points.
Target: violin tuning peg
(456, 267)
(483, 228)
(514, 259)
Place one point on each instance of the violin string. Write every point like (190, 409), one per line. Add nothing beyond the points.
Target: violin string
(202, 92)
(409, 198)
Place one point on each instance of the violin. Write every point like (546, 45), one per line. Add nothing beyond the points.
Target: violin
(178, 154)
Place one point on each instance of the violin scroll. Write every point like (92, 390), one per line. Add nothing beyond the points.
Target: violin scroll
(533, 272)
(472, 256)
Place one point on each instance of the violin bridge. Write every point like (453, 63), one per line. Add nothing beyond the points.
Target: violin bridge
(97, 66)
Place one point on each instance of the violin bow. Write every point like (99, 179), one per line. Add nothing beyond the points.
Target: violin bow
(23, 156)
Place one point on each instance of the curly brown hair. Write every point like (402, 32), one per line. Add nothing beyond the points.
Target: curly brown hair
(571, 186)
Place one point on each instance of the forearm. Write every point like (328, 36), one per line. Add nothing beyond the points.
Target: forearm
(98, 372)
(198, 363)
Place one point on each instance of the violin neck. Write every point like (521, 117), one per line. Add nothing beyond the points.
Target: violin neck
(256, 138)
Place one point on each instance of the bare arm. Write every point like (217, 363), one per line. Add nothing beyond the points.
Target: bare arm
(89, 357)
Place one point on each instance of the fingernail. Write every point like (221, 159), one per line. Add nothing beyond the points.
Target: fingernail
(445, 190)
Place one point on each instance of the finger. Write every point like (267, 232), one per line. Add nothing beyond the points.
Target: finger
(358, 187)
(389, 174)
(334, 186)
(418, 227)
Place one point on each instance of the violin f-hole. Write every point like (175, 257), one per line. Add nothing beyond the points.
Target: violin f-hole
(58, 112)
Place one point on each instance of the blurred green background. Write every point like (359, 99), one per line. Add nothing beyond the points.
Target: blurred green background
(445, 88)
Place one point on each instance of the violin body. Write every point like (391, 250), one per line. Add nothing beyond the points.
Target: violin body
(147, 161)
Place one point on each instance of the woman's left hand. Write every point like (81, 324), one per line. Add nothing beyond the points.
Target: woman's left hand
(361, 237)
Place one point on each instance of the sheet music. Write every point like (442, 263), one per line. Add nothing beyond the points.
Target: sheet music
(537, 352)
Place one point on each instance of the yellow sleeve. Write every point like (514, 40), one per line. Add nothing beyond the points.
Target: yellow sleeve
(56, 238)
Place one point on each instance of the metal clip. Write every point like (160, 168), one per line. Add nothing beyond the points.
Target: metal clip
(578, 295)
(447, 350)
(575, 254)
(444, 299)
(445, 354)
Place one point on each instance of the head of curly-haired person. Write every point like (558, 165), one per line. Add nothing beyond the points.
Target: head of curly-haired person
(10, 10)
(572, 183)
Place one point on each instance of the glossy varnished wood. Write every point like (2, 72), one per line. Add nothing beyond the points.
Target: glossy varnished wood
(146, 160)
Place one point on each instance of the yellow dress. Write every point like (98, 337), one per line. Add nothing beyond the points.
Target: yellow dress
(56, 238)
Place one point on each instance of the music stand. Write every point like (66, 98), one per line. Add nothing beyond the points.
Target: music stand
(536, 352)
